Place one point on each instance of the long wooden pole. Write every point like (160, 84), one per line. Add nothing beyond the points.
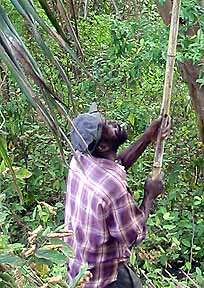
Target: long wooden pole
(171, 55)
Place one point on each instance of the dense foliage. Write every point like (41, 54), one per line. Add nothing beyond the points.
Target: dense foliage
(123, 71)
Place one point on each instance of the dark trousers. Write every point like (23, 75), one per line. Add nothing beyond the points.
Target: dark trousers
(126, 278)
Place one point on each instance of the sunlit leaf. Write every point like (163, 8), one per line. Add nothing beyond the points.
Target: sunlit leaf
(23, 173)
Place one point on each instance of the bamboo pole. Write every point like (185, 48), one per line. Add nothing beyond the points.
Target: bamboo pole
(171, 55)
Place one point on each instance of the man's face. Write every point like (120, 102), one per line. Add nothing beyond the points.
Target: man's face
(113, 133)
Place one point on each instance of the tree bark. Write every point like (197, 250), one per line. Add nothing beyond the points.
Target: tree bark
(190, 72)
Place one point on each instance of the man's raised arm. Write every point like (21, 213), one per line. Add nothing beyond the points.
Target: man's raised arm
(128, 156)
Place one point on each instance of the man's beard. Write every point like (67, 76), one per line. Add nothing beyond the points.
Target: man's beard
(121, 137)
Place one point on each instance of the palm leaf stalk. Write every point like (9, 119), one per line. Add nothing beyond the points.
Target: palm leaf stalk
(11, 50)
(46, 51)
(86, 6)
(50, 15)
(71, 4)
(27, 7)
(70, 29)
(34, 72)
(17, 51)
(64, 16)
(35, 102)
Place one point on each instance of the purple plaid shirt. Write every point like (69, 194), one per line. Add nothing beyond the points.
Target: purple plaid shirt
(103, 216)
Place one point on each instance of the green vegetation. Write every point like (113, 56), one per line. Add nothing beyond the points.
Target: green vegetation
(120, 64)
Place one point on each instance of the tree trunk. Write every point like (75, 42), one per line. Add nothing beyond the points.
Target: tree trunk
(189, 71)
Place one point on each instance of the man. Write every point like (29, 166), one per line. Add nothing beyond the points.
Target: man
(99, 208)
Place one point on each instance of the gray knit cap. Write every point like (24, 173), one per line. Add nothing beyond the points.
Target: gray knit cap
(89, 126)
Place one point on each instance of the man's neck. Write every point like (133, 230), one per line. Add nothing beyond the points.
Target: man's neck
(106, 155)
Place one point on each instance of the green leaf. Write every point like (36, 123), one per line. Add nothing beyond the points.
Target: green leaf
(163, 260)
(169, 226)
(2, 166)
(6, 280)
(198, 200)
(166, 216)
(16, 246)
(66, 250)
(176, 241)
(7, 161)
(42, 261)
(131, 119)
(186, 243)
(11, 260)
(51, 255)
(3, 216)
(23, 173)
(46, 231)
(79, 276)
(2, 197)
(188, 265)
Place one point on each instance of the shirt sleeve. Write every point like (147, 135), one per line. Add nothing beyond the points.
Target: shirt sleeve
(125, 221)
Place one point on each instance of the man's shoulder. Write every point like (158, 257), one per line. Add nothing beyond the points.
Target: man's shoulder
(114, 187)
(82, 161)
(105, 173)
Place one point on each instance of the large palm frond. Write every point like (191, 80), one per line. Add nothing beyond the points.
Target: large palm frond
(28, 74)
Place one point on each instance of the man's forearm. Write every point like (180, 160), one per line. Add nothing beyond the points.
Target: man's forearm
(133, 152)
(146, 206)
